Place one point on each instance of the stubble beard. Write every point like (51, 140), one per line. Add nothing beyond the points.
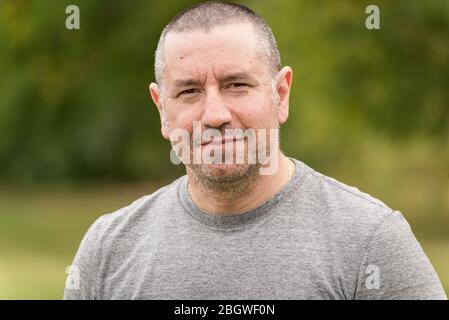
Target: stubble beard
(225, 178)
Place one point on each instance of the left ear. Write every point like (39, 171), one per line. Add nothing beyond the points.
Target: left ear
(283, 85)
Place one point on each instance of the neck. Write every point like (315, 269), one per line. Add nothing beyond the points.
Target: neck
(244, 195)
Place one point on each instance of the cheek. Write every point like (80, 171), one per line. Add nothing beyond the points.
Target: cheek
(182, 117)
(256, 112)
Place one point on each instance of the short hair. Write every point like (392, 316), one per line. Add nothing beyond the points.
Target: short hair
(207, 15)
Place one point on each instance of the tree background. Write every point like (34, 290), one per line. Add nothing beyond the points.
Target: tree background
(80, 136)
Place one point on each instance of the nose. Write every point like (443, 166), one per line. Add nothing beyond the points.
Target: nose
(215, 112)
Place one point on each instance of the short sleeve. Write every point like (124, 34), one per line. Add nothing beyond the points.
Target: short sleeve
(81, 282)
(394, 265)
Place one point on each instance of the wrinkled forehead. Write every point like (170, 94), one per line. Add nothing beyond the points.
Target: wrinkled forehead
(220, 50)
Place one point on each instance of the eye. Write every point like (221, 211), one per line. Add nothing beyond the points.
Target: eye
(188, 92)
(237, 85)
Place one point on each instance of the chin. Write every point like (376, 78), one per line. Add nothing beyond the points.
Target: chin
(225, 172)
(222, 173)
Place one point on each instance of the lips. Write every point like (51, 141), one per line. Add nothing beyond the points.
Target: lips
(220, 141)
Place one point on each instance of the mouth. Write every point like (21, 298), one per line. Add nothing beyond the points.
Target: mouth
(220, 141)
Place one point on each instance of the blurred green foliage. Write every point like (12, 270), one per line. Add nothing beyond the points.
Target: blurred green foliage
(368, 107)
(74, 104)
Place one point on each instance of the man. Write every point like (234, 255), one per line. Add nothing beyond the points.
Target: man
(229, 230)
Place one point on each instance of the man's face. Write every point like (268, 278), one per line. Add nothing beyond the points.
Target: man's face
(219, 80)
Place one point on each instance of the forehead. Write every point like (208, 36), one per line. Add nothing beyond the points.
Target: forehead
(224, 49)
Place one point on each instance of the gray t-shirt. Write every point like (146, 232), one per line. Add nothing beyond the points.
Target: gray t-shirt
(315, 239)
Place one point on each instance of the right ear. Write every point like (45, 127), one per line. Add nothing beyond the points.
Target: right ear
(156, 96)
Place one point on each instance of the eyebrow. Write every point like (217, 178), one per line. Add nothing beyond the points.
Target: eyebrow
(182, 83)
(238, 76)
(231, 77)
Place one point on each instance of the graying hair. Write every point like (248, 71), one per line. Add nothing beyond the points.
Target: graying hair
(207, 15)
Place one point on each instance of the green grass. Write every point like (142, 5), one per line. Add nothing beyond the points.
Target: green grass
(40, 230)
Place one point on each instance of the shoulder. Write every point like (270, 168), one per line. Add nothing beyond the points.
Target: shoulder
(351, 213)
(129, 219)
(342, 197)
